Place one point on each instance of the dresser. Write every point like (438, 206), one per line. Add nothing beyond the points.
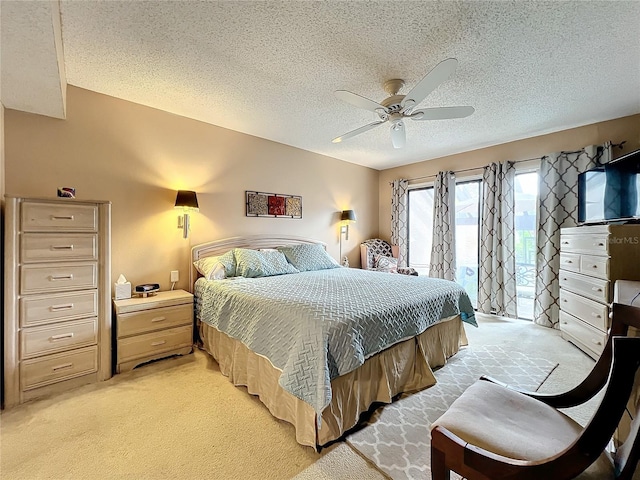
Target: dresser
(57, 315)
(153, 327)
(592, 258)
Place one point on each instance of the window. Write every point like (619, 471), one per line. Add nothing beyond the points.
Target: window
(526, 198)
(466, 219)
(420, 229)
(467, 236)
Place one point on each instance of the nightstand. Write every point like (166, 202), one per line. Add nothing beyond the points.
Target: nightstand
(153, 327)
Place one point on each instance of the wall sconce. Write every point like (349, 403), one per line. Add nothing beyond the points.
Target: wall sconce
(347, 217)
(188, 201)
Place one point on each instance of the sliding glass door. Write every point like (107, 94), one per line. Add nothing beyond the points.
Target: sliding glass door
(467, 235)
(467, 221)
(526, 198)
(420, 229)
(466, 247)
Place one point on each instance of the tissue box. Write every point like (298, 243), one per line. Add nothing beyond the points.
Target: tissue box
(122, 290)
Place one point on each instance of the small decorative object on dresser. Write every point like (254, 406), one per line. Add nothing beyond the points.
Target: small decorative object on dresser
(592, 258)
(153, 327)
(57, 280)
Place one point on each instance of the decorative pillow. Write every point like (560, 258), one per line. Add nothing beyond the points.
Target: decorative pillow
(255, 263)
(386, 264)
(308, 256)
(217, 268)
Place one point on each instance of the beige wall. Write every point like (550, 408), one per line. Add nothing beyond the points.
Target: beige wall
(137, 157)
(2, 182)
(627, 128)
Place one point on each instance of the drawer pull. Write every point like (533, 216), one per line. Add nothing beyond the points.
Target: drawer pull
(594, 266)
(565, 243)
(61, 217)
(564, 300)
(598, 244)
(596, 342)
(61, 277)
(64, 365)
(596, 289)
(158, 319)
(56, 308)
(595, 315)
(156, 344)
(62, 336)
(568, 261)
(61, 247)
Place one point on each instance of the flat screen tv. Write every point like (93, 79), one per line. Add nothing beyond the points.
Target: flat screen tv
(611, 192)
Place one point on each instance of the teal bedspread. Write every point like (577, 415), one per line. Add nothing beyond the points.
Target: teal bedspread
(315, 326)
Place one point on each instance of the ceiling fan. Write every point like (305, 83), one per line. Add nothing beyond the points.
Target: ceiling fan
(396, 108)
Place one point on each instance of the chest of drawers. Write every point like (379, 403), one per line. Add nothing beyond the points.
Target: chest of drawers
(592, 259)
(57, 329)
(153, 327)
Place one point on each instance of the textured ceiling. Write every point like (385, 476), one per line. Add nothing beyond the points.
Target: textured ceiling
(270, 68)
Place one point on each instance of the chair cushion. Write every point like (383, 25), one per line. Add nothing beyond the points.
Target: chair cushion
(508, 423)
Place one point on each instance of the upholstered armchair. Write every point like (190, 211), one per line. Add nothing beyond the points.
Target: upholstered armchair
(377, 254)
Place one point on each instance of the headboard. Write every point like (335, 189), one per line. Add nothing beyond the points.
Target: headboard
(219, 247)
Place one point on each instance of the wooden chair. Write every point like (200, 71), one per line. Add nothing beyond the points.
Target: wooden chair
(493, 431)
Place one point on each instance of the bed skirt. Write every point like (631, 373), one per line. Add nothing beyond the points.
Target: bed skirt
(404, 367)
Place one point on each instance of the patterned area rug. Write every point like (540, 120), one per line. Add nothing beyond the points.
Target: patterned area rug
(397, 438)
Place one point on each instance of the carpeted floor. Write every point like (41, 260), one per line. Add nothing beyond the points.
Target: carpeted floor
(180, 418)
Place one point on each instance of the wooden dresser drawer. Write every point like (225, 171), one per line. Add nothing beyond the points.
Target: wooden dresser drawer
(594, 313)
(597, 244)
(152, 343)
(155, 319)
(42, 371)
(42, 309)
(49, 247)
(590, 287)
(570, 261)
(595, 266)
(590, 337)
(38, 341)
(43, 217)
(52, 278)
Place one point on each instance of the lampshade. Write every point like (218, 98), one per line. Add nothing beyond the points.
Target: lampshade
(187, 199)
(348, 215)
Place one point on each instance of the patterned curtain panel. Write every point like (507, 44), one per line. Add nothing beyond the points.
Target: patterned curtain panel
(399, 220)
(443, 250)
(497, 269)
(558, 208)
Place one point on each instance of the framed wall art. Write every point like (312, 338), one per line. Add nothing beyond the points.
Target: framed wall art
(275, 205)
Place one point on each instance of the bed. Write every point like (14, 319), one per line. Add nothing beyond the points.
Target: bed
(319, 346)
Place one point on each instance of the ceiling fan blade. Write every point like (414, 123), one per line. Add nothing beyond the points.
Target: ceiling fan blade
(430, 82)
(359, 101)
(355, 132)
(441, 113)
(398, 135)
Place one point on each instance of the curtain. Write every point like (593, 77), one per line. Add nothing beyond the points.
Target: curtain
(497, 269)
(399, 220)
(558, 208)
(443, 249)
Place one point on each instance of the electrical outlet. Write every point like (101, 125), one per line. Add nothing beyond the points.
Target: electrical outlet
(175, 275)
